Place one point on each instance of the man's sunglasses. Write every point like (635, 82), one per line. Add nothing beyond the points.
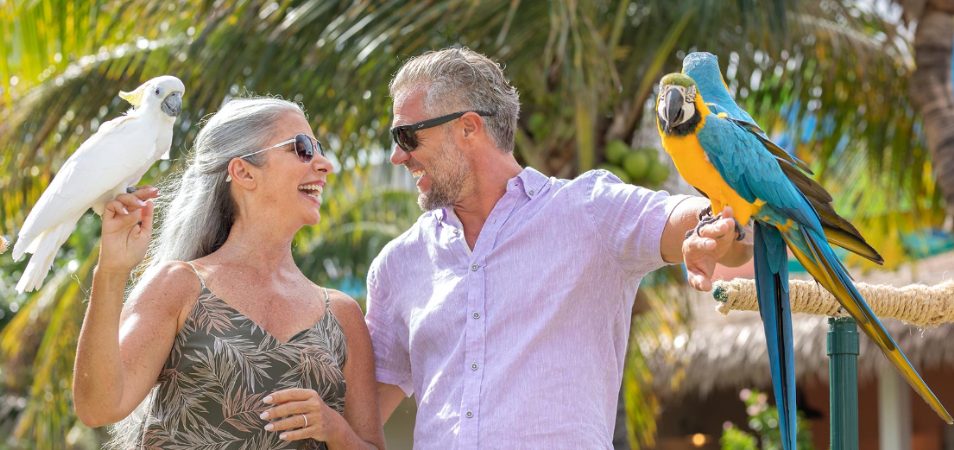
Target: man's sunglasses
(305, 147)
(405, 136)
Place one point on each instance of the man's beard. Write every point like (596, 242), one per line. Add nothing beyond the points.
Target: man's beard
(447, 174)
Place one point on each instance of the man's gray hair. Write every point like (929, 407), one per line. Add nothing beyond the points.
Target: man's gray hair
(459, 79)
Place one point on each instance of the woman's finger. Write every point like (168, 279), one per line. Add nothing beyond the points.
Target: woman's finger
(290, 394)
(145, 219)
(116, 208)
(145, 192)
(295, 435)
(292, 422)
(288, 409)
(130, 201)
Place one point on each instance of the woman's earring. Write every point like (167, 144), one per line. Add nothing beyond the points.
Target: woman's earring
(228, 179)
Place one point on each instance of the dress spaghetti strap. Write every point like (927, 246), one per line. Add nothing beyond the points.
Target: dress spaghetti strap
(202, 280)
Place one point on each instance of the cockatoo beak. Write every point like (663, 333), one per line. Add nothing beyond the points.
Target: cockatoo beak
(172, 104)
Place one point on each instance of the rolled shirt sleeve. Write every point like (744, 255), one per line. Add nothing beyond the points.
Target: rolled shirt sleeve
(630, 220)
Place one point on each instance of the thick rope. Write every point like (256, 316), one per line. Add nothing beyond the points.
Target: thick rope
(916, 304)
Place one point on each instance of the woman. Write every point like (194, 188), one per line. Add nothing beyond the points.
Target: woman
(240, 348)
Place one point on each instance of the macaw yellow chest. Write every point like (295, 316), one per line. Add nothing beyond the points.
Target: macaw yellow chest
(694, 167)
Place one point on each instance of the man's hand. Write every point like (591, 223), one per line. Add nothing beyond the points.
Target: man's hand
(701, 251)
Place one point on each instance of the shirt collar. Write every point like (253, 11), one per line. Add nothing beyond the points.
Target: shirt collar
(530, 182)
(446, 216)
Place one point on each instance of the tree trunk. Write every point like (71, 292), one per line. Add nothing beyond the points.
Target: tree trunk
(930, 88)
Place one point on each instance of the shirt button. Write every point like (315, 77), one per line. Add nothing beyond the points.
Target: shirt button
(473, 268)
(531, 192)
(469, 414)
(476, 315)
(473, 366)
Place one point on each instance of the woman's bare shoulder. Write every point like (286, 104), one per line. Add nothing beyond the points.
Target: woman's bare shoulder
(167, 285)
(346, 309)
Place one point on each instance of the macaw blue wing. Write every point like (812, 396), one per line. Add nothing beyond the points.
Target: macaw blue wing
(749, 168)
(753, 172)
(703, 68)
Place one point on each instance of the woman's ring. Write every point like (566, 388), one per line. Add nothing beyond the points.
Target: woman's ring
(306, 420)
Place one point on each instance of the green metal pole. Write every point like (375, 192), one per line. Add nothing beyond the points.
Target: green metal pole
(843, 382)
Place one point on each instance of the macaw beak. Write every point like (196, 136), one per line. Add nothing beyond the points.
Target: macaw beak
(172, 104)
(674, 102)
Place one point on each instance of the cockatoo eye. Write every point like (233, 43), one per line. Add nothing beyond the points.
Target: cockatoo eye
(157, 91)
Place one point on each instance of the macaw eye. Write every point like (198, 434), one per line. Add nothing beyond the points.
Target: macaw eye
(157, 91)
(690, 96)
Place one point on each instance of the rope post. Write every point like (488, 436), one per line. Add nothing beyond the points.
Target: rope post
(843, 382)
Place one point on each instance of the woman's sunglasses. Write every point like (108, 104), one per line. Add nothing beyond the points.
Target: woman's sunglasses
(305, 147)
(405, 136)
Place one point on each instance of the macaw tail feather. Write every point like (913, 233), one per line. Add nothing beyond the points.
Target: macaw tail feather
(820, 261)
(771, 281)
(851, 242)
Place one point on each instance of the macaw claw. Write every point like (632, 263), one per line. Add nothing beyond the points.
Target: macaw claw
(706, 217)
(739, 230)
(705, 213)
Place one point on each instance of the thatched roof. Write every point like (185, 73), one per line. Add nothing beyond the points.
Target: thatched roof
(730, 352)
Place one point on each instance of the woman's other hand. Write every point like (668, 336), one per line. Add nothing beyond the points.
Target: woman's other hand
(302, 414)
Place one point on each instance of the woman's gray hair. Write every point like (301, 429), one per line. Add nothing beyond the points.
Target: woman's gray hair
(458, 79)
(195, 210)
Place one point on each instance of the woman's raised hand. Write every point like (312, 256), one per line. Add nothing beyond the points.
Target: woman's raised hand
(127, 229)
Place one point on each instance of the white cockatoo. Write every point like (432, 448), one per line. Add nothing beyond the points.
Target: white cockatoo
(110, 161)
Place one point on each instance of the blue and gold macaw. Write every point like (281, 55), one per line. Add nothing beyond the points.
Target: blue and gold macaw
(718, 149)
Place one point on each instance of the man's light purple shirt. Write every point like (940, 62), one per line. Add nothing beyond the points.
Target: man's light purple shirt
(519, 343)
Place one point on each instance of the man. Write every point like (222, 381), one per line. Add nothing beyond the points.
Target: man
(505, 309)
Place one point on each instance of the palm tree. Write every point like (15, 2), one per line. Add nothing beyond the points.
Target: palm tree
(586, 71)
(931, 91)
